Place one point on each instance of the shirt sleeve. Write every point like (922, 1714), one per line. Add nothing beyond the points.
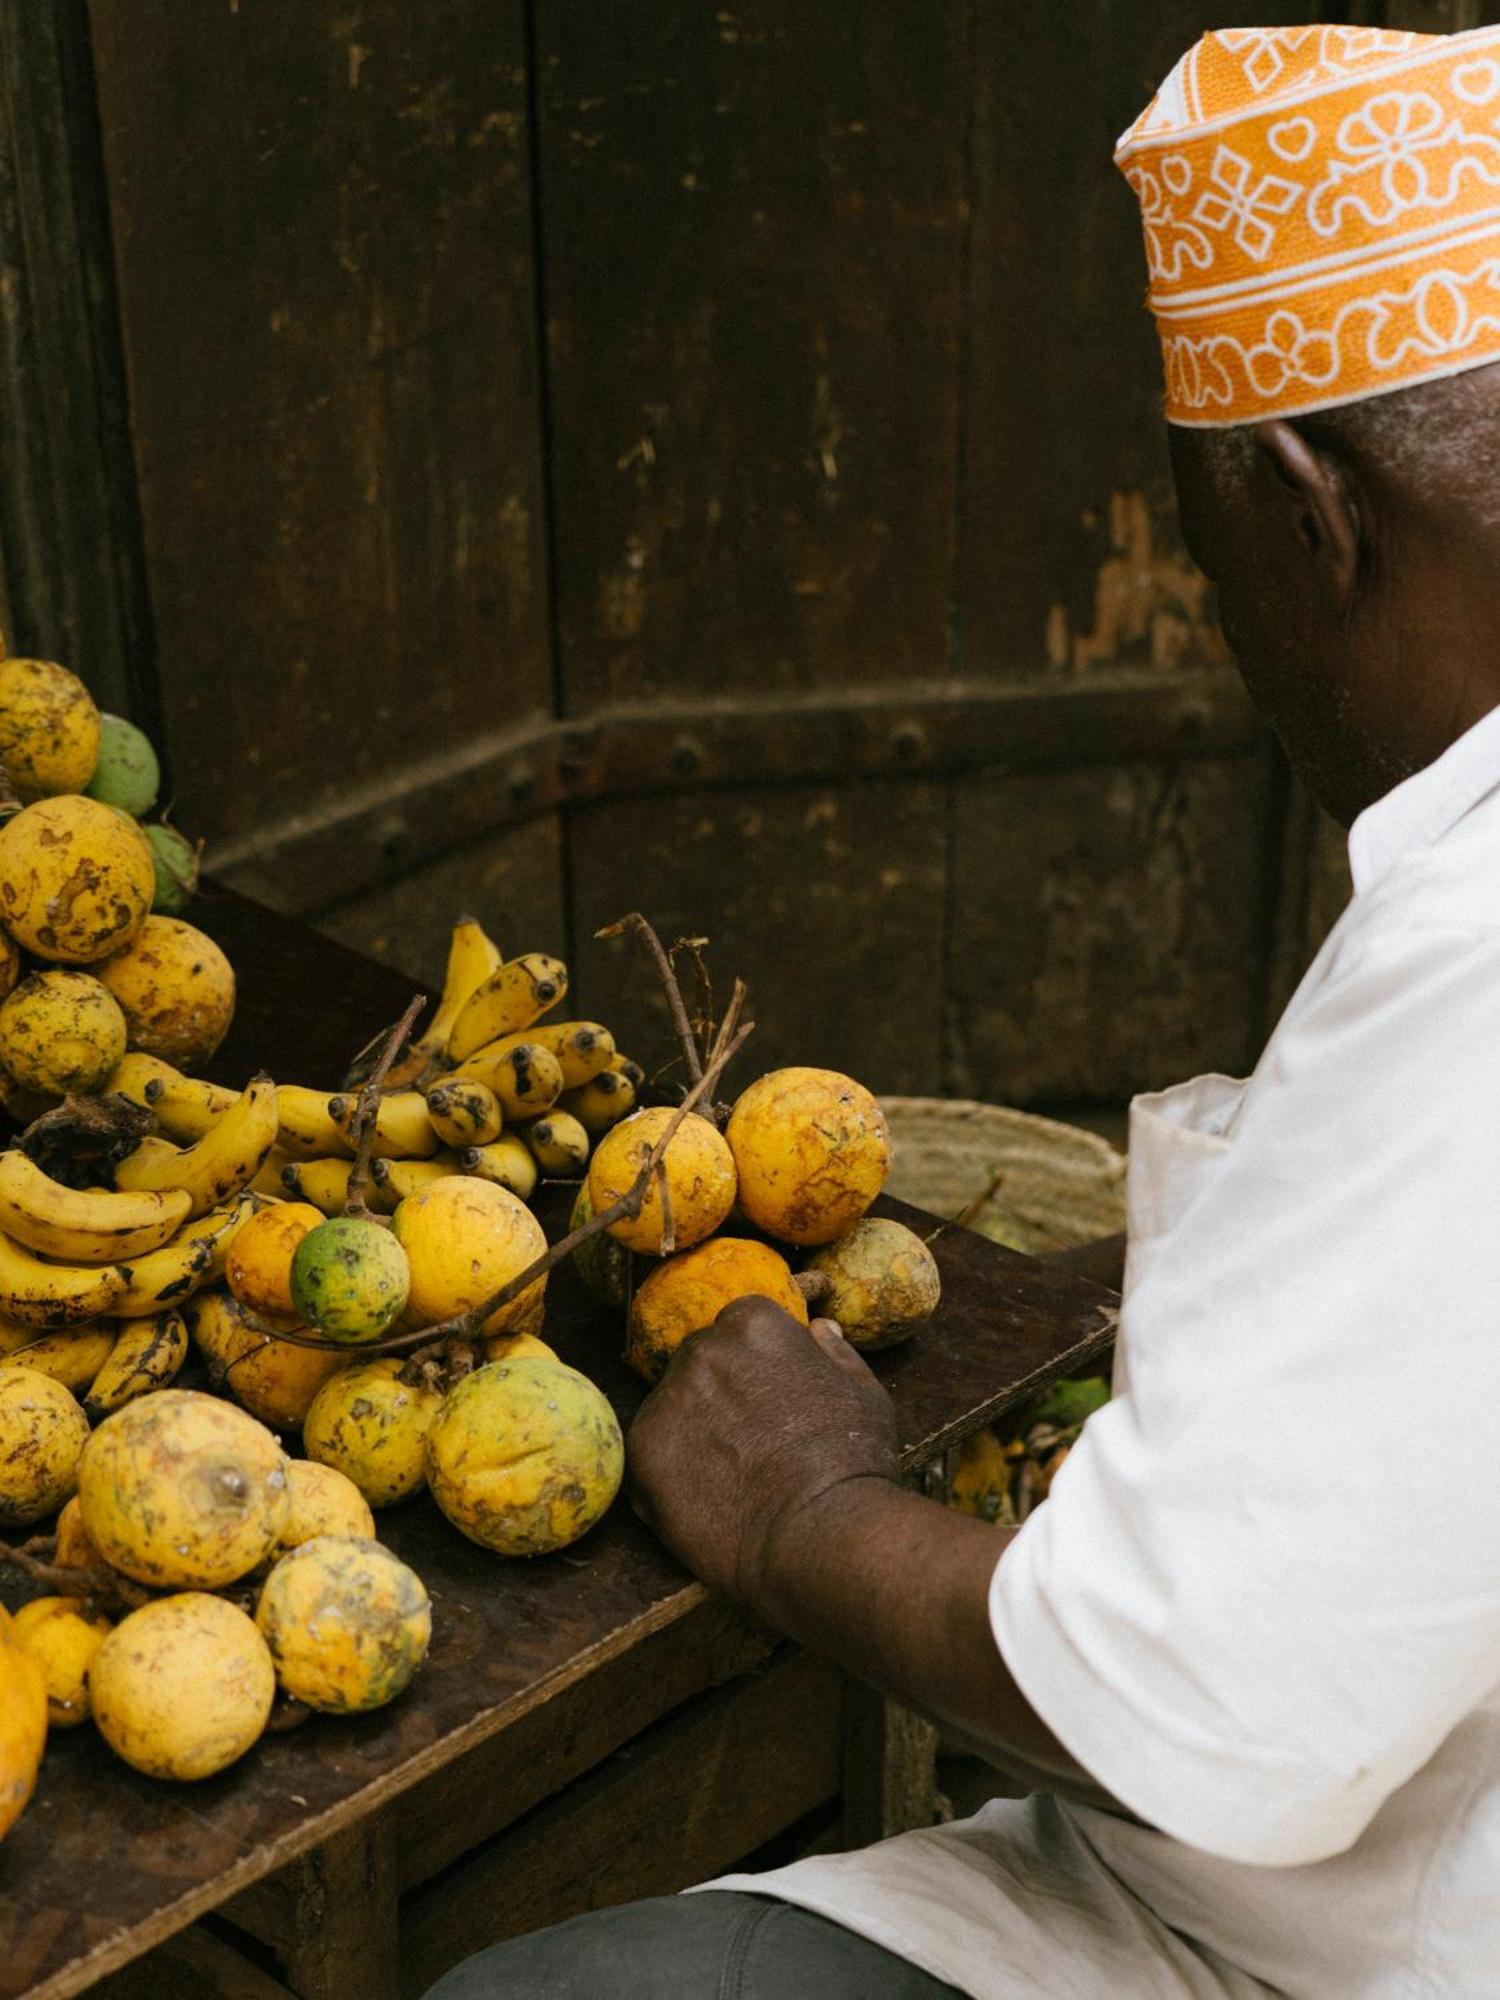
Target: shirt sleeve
(1267, 1583)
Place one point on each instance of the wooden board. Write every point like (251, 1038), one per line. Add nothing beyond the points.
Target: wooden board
(323, 241)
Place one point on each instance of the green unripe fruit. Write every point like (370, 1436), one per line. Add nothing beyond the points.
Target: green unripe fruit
(350, 1279)
(127, 774)
(602, 1264)
(176, 860)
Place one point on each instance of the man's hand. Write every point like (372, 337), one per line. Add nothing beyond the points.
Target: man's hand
(757, 1420)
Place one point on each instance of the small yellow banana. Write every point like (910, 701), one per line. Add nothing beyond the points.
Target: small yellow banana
(472, 956)
(396, 1179)
(403, 1131)
(82, 1225)
(629, 1068)
(226, 1159)
(214, 1321)
(194, 1258)
(133, 1075)
(55, 1295)
(600, 1103)
(325, 1183)
(268, 1183)
(559, 1145)
(72, 1355)
(508, 1001)
(582, 1048)
(525, 1077)
(186, 1107)
(506, 1162)
(464, 1112)
(305, 1127)
(148, 1355)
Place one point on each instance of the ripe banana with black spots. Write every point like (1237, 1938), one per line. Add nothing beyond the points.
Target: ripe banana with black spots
(83, 1225)
(403, 1131)
(195, 1257)
(464, 1112)
(582, 1048)
(559, 1145)
(71, 1355)
(305, 1127)
(472, 956)
(325, 1183)
(505, 1161)
(525, 1077)
(519, 993)
(226, 1159)
(147, 1355)
(55, 1295)
(396, 1179)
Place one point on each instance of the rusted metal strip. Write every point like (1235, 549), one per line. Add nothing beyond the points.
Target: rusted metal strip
(364, 838)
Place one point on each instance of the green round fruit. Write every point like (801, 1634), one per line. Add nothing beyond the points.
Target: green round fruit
(176, 860)
(602, 1264)
(350, 1279)
(127, 774)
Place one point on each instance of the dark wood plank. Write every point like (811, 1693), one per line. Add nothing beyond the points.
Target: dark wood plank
(682, 1804)
(1111, 927)
(323, 241)
(752, 229)
(195, 1965)
(339, 1929)
(827, 899)
(890, 1768)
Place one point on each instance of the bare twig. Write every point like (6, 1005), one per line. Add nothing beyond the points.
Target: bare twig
(668, 1226)
(367, 1113)
(703, 999)
(103, 1587)
(641, 928)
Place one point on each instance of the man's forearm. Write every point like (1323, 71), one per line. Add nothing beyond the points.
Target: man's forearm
(896, 1589)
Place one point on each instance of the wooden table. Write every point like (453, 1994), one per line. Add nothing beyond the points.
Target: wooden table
(589, 1727)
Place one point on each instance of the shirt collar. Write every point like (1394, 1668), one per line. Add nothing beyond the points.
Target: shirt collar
(1425, 806)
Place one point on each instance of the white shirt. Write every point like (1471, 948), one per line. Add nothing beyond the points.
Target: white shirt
(1262, 1606)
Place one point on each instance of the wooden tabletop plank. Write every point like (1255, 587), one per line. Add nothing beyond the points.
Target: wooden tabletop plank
(106, 1863)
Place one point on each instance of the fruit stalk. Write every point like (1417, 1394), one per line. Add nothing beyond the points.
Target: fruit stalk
(104, 1589)
(643, 929)
(362, 1126)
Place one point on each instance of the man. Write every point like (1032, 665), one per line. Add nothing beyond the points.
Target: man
(1247, 1655)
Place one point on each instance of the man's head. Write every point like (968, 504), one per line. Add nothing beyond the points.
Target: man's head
(1322, 218)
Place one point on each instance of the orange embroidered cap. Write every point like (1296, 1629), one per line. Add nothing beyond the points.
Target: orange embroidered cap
(1322, 216)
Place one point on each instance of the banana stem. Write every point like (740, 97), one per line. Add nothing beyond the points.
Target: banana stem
(367, 1113)
(676, 1005)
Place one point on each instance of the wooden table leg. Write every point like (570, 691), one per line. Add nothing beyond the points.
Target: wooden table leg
(336, 1928)
(890, 1767)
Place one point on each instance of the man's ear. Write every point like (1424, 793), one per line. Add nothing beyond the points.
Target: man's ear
(1325, 510)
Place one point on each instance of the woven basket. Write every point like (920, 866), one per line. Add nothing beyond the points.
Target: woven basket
(1026, 1182)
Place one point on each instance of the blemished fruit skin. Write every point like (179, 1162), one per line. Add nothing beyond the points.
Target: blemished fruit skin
(76, 879)
(175, 859)
(62, 1638)
(226, 1159)
(325, 1501)
(83, 1225)
(525, 1456)
(183, 1687)
(258, 1269)
(175, 988)
(127, 774)
(464, 1239)
(812, 1150)
(885, 1282)
(602, 1264)
(347, 1623)
(700, 1177)
(74, 1549)
(275, 1380)
(23, 1725)
(72, 1355)
(42, 1436)
(10, 963)
(183, 1491)
(147, 1355)
(49, 728)
(350, 1279)
(688, 1292)
(373, 1427)
(61, 1033)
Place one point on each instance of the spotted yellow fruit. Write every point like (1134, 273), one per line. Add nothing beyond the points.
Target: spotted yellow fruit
(258, 1268)
(510, 1346)
(74, 1549)
(347, 1622)
(181, 1490)
(373, 1427)
(885, 1282)
(700, 1179)
(62, 1637)
(324, 1502)
(182, 1687)
(10, 963)
(275, 1380)
(76, 879)
(176, 989)
(49, 728)
(23, 1725)
(812, 1149)
(688, 1292)
(61, 1032)
(464, 1239)
(525, 1456)
(42, 1435)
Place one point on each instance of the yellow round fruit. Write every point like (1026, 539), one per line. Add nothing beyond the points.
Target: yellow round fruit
(176, 989)
(812, 1149)
(49, 728)
(182, 1687)
(275, 1380)
(348, 1623)
(689, 1292)
(885, 1282)
(259, 1266)
(76, 879)
(700, 1178)
(525, 1456)
(74, 1549)
(23, 1725)
(464, 1239)
(371, 1426)
(42, 1435)
(183, 1490)
(511, 1346)
(10, 963)
(61, 1033)
(62, 1638)
(325, 1501)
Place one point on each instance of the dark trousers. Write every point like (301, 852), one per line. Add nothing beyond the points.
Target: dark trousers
(716, 1946)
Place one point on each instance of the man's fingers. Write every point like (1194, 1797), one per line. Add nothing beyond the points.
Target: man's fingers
(830, 1337)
